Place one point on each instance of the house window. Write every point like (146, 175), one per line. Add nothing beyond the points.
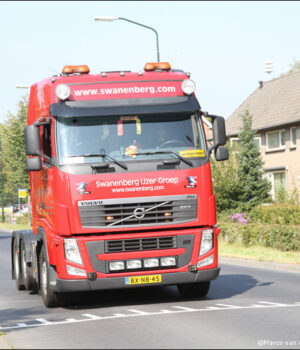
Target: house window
(275, 140)
(235, 142)
(278, 181)
(293, 139)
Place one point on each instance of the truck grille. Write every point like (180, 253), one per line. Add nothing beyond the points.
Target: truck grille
(136, 211)
(129, 245)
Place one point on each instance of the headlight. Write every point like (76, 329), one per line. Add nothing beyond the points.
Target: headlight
(72, 251)
(206, 241)
(188, 86)
(168, 261)
(62, 91)
(151, 262)
(133, 264)
(75, 271)
(116, 265)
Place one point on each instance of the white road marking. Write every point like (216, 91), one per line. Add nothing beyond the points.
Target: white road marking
(93, 317)
(43, 321)
(135, 313)
(230, 306)
(22, 325)
(273, 304)
(184, 308)
(138, 312)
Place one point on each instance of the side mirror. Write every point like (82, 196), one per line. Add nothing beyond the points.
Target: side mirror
(221, 153)
(219, 133)
(32, 140)
(33, 164)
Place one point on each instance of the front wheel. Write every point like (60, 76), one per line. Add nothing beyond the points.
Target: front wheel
(50, 298)
(194, 290)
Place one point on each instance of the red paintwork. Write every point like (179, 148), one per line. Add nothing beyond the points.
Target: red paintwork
(57, 190)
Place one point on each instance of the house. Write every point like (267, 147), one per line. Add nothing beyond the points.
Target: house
(275, 110)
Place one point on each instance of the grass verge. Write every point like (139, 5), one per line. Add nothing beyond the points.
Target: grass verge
(14, 227)
(237, 250)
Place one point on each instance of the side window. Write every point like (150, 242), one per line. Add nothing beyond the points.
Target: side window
(46, 141)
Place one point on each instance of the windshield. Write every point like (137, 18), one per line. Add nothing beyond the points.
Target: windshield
(125, 138)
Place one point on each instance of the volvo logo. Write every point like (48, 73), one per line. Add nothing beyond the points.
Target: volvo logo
(139, 213)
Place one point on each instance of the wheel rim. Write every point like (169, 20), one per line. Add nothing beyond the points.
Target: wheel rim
(44, 278)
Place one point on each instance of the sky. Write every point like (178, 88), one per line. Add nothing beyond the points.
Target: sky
(223, 44)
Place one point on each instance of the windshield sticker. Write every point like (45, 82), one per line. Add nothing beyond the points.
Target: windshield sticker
(192, 153)
(137, 123)
(120, 128)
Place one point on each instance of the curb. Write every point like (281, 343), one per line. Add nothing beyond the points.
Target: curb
(260, 264)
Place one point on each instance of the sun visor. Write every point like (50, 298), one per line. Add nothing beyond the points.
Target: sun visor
(70, 109)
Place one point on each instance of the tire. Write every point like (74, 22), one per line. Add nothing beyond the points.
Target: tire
(50, 298)
(26, 271)
(194, 290)
(17, 266)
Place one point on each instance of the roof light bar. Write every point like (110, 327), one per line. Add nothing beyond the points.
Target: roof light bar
(82, 69)
(151, 66)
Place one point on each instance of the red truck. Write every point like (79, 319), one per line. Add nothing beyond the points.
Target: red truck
(121, 185)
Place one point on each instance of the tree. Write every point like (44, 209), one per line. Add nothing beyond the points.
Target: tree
(226, 182)
(13, 149)
(254, 188)
(295, 67)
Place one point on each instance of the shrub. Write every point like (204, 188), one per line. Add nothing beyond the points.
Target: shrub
(283, 237)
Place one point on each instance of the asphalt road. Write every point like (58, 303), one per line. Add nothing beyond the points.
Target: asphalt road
(246, 307)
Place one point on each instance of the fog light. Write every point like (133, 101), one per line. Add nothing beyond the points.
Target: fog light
(75, 271)
(206, 261)
(151, 263)
(133, 264)
(168, 261)
(116, 265)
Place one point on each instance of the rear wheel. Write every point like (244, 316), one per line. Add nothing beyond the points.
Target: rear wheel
(50, 298)
(26, 270)
(194, 290)
(17, 266)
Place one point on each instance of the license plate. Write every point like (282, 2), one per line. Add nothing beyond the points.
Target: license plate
(143, 279)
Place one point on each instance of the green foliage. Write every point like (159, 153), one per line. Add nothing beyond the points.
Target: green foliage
(238, 182)
(286, 214)
(283, 237)
(254, 189)
(274, 226)
(13, 151)
(283, 197)
(226, 182)
(294, 67)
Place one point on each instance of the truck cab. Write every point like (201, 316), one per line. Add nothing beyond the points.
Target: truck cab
(120, 184)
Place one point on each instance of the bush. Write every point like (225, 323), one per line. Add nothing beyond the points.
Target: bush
(285, 214)
(283, 237)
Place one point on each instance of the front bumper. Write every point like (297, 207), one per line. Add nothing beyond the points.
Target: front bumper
(60, 285)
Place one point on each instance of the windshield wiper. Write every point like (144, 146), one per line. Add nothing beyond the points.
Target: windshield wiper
(104, 155)
(166, 152)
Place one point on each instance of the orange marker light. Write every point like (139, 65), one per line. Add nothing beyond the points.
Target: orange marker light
(151, 66)
(82, 69)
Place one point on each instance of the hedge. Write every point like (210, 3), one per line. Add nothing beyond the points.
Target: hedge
(282, 237)
(285, 214)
